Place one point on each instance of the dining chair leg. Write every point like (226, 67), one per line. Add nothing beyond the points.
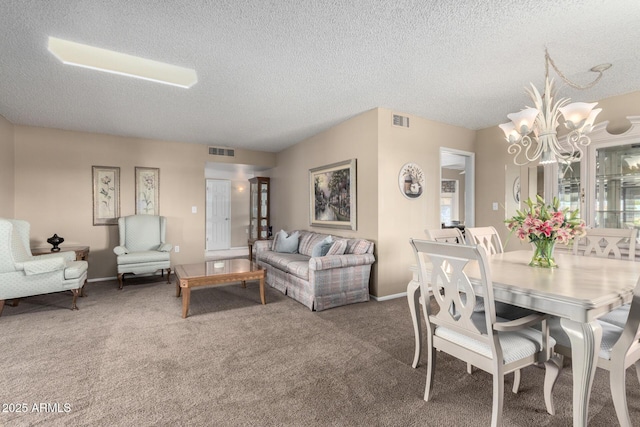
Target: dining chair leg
(498, 399)
(414, 309)
(553, 367)
(516, 381)
(617, 378)
(431, 361)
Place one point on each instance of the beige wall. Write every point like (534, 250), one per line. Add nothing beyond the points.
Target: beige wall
(399, 218)
(7, 197)
(354, 138)
(53, 187)
(492, 156)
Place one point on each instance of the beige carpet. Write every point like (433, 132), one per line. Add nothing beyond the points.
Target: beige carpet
(127, 358)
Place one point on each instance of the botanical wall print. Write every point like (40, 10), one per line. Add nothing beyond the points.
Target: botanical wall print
(411, 181)
(332, 191)
(106, 195)
(147, 191)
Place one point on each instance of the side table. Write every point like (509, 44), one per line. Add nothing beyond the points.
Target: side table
(82, 252)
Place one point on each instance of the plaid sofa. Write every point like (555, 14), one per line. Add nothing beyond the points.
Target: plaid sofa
(319, 282)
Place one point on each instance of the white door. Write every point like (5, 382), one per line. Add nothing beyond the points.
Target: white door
(218, 214)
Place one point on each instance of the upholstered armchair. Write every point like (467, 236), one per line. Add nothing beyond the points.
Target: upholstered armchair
(142, 246)
(24, 275)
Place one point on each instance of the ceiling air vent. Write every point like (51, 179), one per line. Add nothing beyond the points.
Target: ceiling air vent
(218, 151)
(401, 121)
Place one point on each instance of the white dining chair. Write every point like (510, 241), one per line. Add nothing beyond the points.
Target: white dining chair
(488, 237)
(619, 349)
(616, 243)
(494, 345)
(451, 235)
(454, 235)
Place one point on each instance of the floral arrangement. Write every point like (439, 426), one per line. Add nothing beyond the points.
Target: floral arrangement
(544, 225)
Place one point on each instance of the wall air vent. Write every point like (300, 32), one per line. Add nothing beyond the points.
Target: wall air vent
(401, 121)
(219, 151)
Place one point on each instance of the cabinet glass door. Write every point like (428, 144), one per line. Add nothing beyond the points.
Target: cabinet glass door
(617, 187)
(253, 232)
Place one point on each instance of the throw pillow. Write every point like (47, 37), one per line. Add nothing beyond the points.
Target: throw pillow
(287, 244)
(338, 247)
(322, 247)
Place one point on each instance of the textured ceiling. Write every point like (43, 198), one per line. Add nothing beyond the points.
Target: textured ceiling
(272, 73)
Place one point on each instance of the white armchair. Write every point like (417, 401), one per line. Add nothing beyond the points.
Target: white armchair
(24, 275)
(142, 248)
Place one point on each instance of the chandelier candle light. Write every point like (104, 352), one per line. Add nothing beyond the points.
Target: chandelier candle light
(545, 225)
(532, 132)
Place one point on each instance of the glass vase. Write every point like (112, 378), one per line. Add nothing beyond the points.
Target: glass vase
(543, 254)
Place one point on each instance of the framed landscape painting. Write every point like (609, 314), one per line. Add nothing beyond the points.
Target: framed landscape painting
(332, 191)
(106, 195)
(147, 191)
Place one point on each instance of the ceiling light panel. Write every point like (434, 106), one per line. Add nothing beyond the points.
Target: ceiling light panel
(82, 55)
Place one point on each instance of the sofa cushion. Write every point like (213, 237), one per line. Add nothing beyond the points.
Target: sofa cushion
(309, 241)
(286, 243)
(281, 260)
(299, 268)
(338, 247)
(321, 248)
(143, 256)
(358, 246)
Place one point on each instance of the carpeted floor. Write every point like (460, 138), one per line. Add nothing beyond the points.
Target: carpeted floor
(127, 358)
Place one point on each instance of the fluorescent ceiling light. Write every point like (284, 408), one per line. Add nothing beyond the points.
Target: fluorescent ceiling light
(95, 58)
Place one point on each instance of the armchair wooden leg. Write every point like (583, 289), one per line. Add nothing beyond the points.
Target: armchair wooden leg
(168, 275)
(120, 280)
(15, 302)
(76, 292)
(1, 306)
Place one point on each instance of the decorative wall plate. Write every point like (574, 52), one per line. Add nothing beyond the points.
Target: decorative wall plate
(411, 181)
(516, 189)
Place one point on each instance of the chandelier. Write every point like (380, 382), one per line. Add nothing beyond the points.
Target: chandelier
(532, 132)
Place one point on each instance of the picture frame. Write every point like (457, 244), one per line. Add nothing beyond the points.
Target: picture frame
(411, 181)
(332, 195)
(147, 191)
(106, 195)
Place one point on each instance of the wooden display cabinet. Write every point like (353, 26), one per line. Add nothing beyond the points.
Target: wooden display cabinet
(259, 211)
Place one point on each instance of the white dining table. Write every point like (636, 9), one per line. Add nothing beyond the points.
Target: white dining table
(579, 291)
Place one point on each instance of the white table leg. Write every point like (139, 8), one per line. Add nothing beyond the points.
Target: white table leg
(413, 297)
(585, 344)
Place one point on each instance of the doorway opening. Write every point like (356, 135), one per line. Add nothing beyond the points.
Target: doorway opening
(457, 188)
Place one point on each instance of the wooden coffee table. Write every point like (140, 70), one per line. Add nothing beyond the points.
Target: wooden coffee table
(216, 273)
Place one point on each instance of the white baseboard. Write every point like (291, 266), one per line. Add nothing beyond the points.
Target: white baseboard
(389, 297)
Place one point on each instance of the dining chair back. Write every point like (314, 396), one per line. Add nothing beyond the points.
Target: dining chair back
(451, 235)
(619, 243)
(619, 349)
(477, 337)
(488, 237)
